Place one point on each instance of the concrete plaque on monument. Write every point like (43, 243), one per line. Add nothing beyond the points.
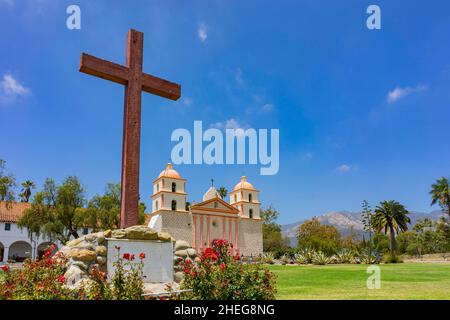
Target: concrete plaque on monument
(158, 262)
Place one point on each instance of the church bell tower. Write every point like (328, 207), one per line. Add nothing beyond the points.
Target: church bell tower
(169, 191)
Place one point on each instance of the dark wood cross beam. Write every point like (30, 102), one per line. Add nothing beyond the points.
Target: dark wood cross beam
(135, 81)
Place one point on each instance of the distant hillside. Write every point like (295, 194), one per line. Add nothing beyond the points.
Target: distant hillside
(347, 222)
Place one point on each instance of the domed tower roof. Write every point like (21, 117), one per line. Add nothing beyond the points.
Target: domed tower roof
(169, 172)
(243, 184)
(210, 194)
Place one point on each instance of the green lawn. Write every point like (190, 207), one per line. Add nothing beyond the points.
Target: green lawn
(398, 281)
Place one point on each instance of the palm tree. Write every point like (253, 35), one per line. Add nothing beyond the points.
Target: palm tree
(393, 218)
(222, 192)
(440, 193)
(26, 190)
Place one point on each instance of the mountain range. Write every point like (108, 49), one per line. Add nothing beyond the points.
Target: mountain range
(349, 222)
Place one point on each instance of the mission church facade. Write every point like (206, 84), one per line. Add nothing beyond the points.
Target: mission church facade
(237, 221)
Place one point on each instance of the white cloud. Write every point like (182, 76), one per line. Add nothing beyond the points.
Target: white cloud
(187, 101)
(10, 88)
(202, 32)
(268, 107)
(343, 168)
(238, 76)
(399, 93)
(229, 124)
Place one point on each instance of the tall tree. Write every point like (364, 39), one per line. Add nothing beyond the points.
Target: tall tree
(222, 192)
(55, 210)
(321, 237)
(103, 212)
(392, 217)
(26, 190)
(7, 184)
(273, 240)
(440, 193)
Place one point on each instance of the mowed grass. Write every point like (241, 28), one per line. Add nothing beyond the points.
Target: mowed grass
(335, 282)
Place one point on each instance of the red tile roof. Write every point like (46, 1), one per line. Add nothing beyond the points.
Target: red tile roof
(13, 212)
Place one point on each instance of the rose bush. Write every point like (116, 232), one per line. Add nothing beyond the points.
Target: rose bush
(44, 280)
(126, 284)
(37, 280)
(217, 275)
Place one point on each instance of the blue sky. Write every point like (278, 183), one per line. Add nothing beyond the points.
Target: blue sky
(363, 114)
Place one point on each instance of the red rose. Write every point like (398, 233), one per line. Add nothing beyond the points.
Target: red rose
(126, 256)
(142, 256)
(222, 266)
(5, 268)
(61, 279)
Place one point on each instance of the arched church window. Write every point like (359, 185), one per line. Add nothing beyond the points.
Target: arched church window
(249, 197)
(174, 187)
(250, 213)
(174, 205)
(156, 205)
(235, 198)
(157, 187)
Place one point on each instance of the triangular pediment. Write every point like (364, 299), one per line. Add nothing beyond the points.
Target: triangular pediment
(215, 204)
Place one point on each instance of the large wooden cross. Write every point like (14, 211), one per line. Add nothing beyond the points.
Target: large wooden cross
(135, 81)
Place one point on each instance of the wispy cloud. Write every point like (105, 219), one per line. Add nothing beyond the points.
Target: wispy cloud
(231, 123)
(268, 107)
(238, 76)
(10, 88)
(187, 101)
(343, 168)
(399, 92)
(202, 32)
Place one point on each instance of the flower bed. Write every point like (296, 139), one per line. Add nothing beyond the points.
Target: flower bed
(217, 275)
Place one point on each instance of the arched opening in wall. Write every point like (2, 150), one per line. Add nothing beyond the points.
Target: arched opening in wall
(156, 205)
(174, 187)
(44, 246)
(250, 213)
(2, 251)
(235, 198)
(249, 197)
(19, 251)
(174, 205)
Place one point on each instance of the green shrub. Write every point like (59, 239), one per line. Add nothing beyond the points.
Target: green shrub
(344, 256)
(268, 257)
(307, 254)
(390, 258)
(368, 256)
(321, 258)
(285, 259)
(219, 276)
